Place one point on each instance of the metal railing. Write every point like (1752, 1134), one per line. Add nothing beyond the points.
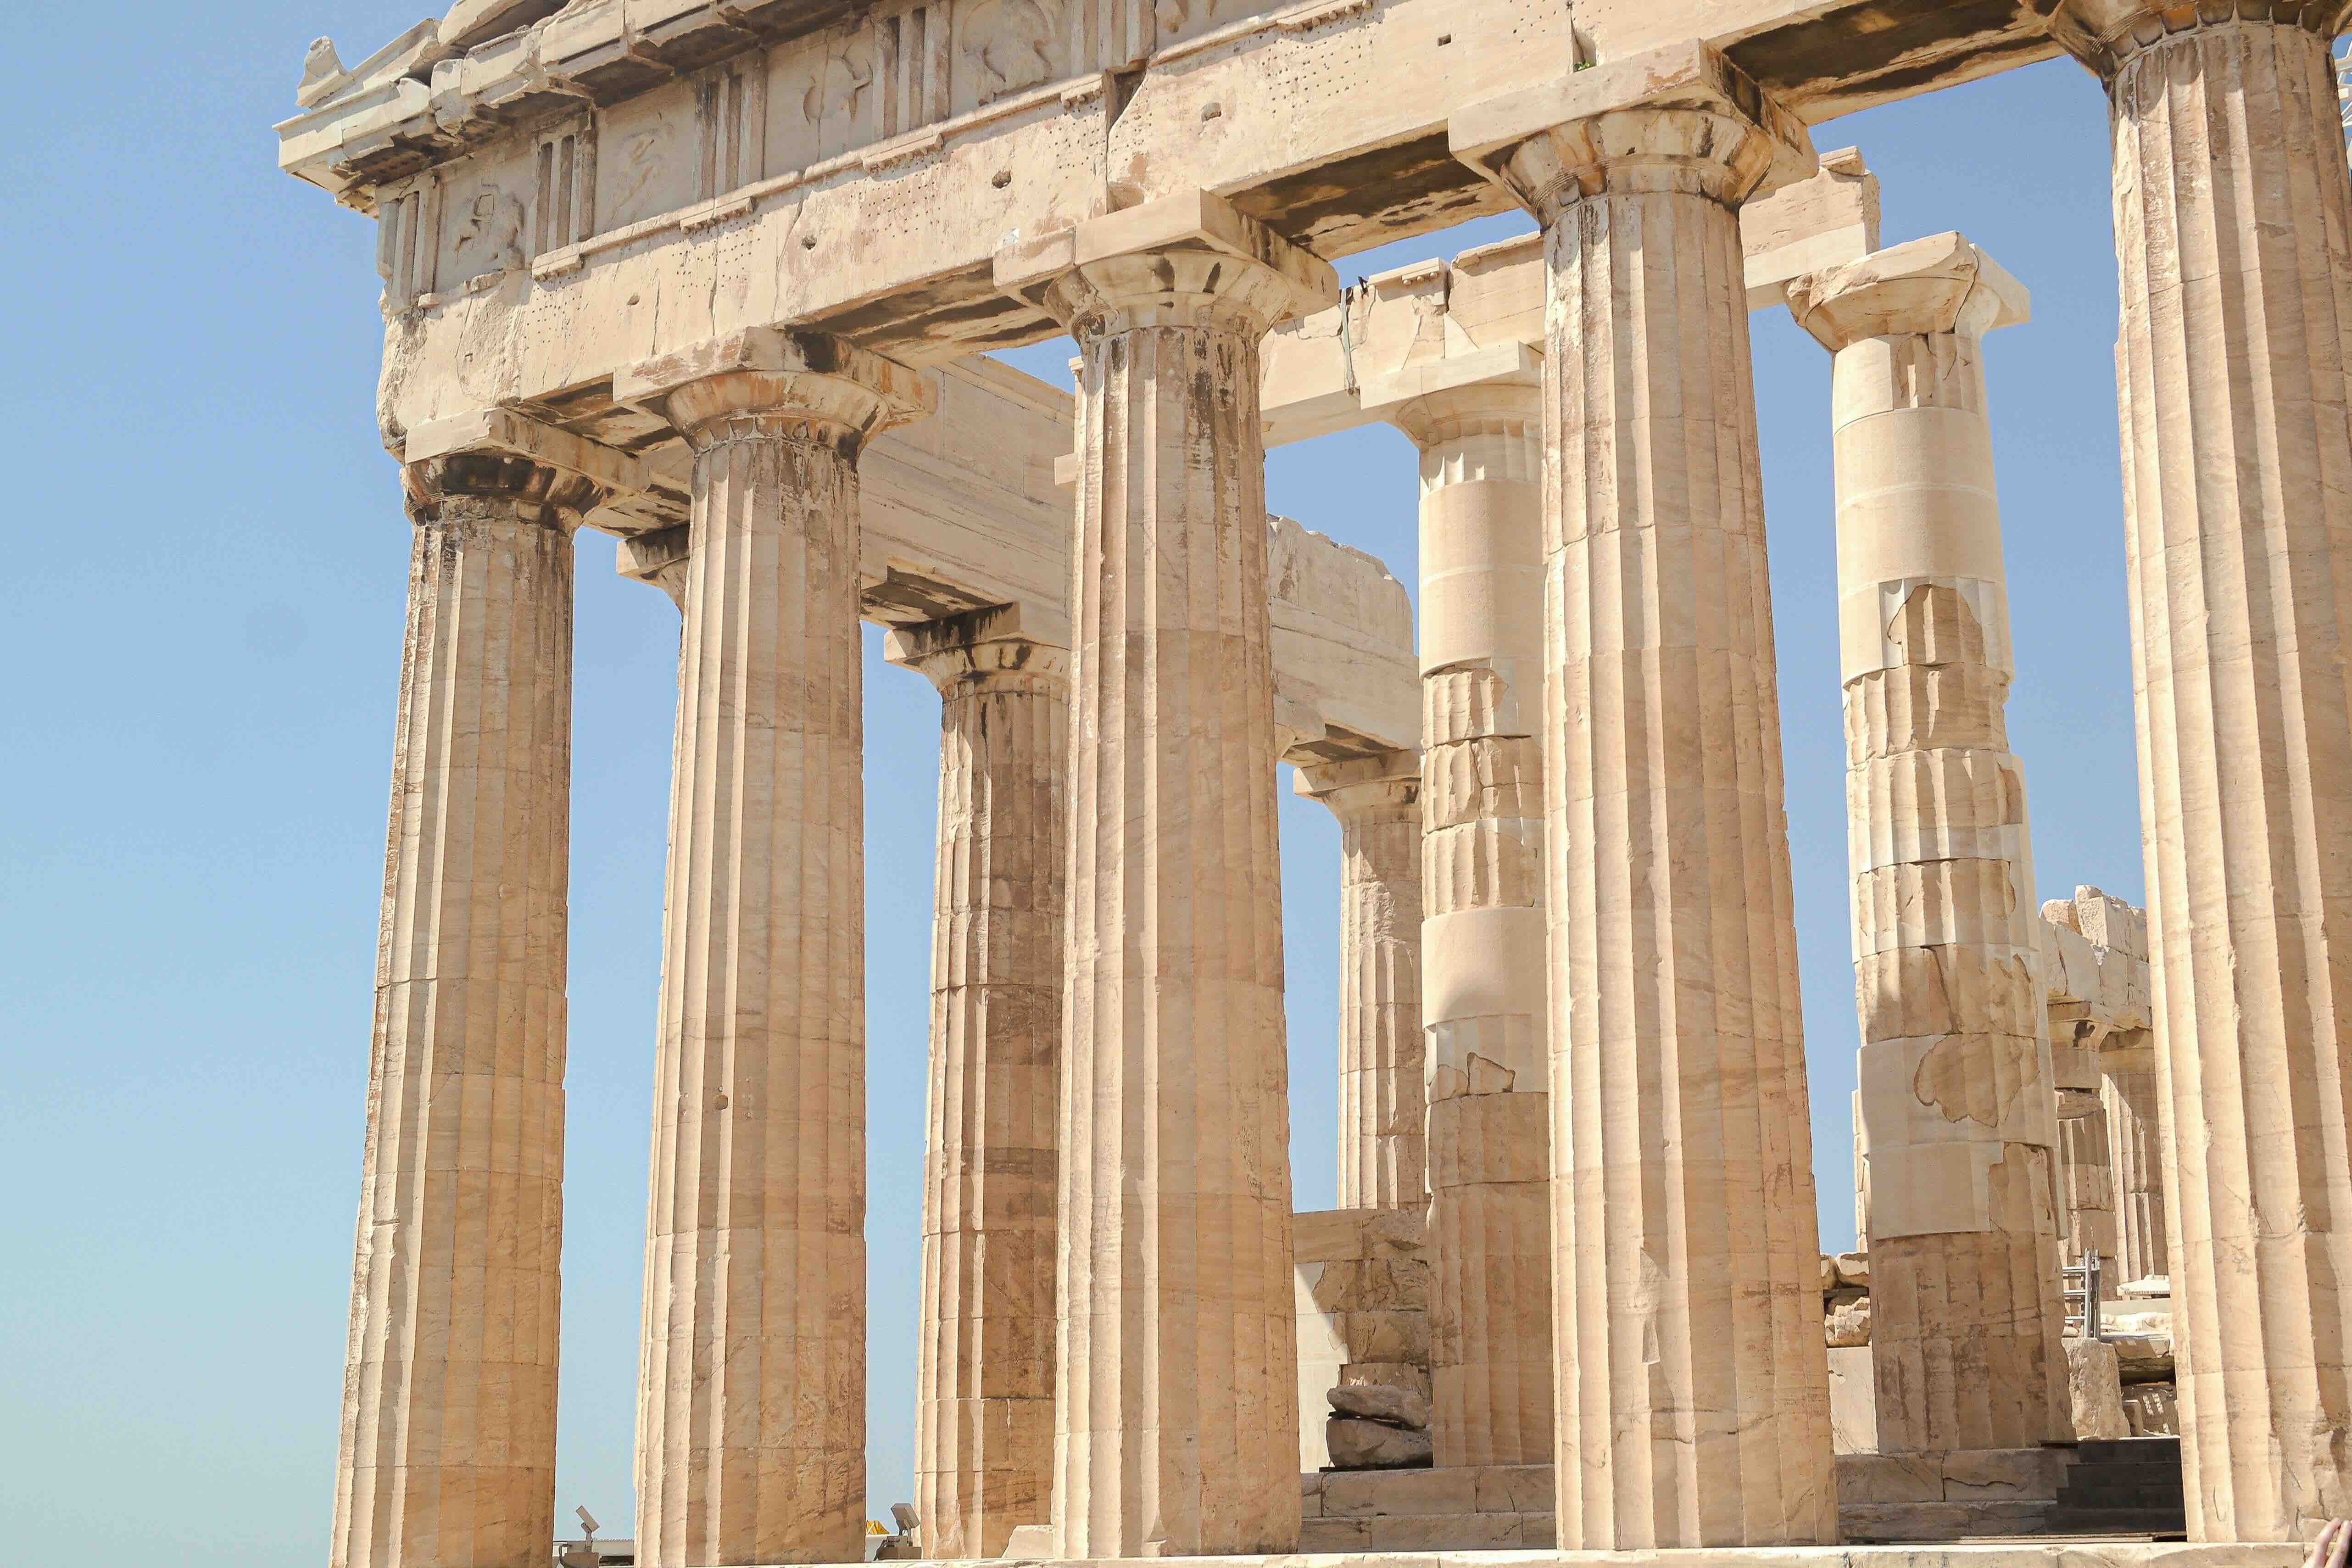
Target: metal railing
(2086, 1324)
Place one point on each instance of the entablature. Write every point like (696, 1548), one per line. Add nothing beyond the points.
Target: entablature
(853, 168)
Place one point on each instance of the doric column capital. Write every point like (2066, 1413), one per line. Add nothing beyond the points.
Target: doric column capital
(1678, 118)
(1185, 260)
(777, 381)
(2106, 35)
(981, 650)
(497, 486)
(1494, 391)
(1940, 284)
(1358, 786)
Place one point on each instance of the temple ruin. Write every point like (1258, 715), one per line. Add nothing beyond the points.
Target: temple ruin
(718, 279)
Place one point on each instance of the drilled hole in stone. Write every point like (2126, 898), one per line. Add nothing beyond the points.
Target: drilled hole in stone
(1002, 178)
(808, 242)
(1211, 111)
(1443, 39)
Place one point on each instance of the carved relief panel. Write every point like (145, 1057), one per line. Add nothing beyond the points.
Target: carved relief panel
(650, 156)
(1006, 47)
(488, 203)
(825, 98)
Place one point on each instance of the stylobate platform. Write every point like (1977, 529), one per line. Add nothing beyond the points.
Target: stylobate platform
(2079, 1552)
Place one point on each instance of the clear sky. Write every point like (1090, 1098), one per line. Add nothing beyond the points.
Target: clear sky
(203, 610)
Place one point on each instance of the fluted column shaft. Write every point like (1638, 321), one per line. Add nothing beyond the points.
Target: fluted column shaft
(1378, 801)
(1485, 1009)
(447, 1457)
(751, 1389)
(1692, 1393)
(1955, 1076)
(2130, 1095)
(1176, 1427)
(2233, 233)
(984, 1363)
(2087, 1183)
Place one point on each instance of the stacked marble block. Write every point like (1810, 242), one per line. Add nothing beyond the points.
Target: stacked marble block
(1362, 1294)
(1845, 1328)
(1462, 1508)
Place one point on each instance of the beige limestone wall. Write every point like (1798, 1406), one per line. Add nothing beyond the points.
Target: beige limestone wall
(1955, 1084)
(984, 1357)
(1692, 1390)
(447, 1452)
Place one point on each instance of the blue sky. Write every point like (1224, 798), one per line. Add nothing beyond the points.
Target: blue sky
(204, 607)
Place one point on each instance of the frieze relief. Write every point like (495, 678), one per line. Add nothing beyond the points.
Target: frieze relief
(1010, 46)
(648, 160)
(707, 150)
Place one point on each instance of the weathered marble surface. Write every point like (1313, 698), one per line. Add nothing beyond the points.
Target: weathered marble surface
(1482, 962)
(1176, 1427)
(984, 1358)
(1955, 1086)
(447, 1452)
(1692, 1401)
(2233, 237)
(751, 1387)
(1382, 1106)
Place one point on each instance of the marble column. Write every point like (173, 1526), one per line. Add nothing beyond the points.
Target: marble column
(2089, 1183)
(1486, 976)
(2233, 235)
(1177, 1424)
(1382, 1109)
(2129, 1095)
(984, 1362)
(752, 1390)
(1955, 1078)
(1692, 1396)
(447, 1457)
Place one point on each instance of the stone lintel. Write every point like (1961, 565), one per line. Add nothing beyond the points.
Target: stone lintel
(1342, 781)
(1938, 284)
(1826, 221)
(783, 370)
(1684, 76)
(2074, 1068)
(1511, 371)
(1317, 381)
(1193, 220)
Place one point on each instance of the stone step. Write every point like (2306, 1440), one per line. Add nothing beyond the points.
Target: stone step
(2105, 1521)
(2129, 1486)
(2107, 1450)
